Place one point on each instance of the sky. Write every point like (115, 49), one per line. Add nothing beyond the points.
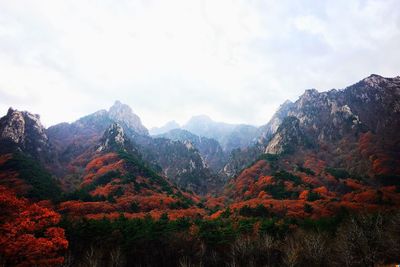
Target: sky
(235, 61)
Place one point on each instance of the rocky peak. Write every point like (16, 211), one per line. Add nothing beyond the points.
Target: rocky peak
(288, 137)
(23, 131)
(271, 127)
(374, 80)
(114, 139)
(123, 114)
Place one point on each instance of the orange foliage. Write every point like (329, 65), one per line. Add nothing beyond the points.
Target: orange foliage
(79, 208)
(98, 162)
(21, 223)
(215, 202)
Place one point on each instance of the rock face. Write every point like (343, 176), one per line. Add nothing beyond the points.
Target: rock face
(210, 150)
(72, 139)
(337, 120)
(288, 137)
(23, 131)
(180, 161)
(114, 139)
(123, 114)
(271, 127)
(331, 150)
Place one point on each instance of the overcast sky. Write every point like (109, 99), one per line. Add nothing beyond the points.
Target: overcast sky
(235, 61)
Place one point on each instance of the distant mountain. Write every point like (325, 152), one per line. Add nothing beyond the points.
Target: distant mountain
(164, 129)
(230, 136)
(124, 115)
(72, 139)
(210, 150)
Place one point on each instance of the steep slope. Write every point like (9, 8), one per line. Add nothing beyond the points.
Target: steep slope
(72, 139)
(123, 114)
(271, 127)
(241, 158)
(333, 150)
(24, 154)
(182, 163)
(209, 148)
(178, 161)
(23, 131)
(116, 180)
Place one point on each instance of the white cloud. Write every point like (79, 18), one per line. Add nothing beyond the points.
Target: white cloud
(233, 60)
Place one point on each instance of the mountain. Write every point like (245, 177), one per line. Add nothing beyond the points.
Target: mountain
(171, 125)
(241, 158)
(23, 131)
(321, 178)
(335, 149)
(72, 139)
(230, 136)
(210, 150)
(271, 127)
(123, 114)
(180, 162)
(115, 179)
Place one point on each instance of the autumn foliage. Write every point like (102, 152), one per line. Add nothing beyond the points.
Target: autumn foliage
(29, 235)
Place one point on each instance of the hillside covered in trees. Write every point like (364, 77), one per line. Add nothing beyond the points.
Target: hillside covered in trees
(318, 185)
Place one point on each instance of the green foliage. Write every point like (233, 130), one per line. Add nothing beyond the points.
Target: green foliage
(259, 211)
(278, 191)
(308, 208)
(246, 226)
(226, 213)
(134, 207)
(327, 224)
(287, 176)
(388, 179)
(216, 232)
(313, 196)
(83, 195)
(43, 184)
(179, 205)
(106, 178)
(273, 228)
(305, 170)
(268, 157)
(337, 173)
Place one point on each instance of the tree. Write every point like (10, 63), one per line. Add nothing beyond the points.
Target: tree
(28, 233)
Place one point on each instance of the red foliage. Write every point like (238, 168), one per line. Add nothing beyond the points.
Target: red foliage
(79, 208)
(28, 233)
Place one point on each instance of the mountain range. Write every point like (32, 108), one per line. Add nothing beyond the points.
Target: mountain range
(340, 146)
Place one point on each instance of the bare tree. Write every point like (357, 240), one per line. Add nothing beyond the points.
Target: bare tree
(116, 257)
(292, 252)
(92, 257)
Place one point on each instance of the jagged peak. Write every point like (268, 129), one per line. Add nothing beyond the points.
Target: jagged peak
(118, 105)
(311, 91)
(122, 113)
(113, 137)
